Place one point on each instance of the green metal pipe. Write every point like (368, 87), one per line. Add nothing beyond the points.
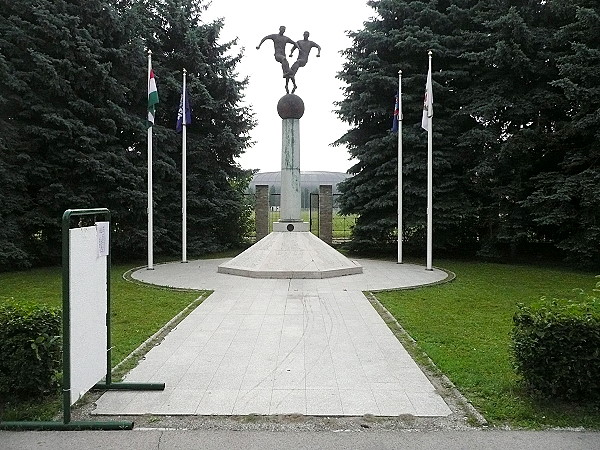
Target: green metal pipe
(71, 426)
(66, 320)
(108, 309)
(126, 386)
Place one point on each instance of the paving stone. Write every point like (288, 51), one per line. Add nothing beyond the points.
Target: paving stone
(276, 346)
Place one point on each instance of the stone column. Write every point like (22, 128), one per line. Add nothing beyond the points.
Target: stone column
(290, 171)
(326, 213)
(290, 108)
(261, 211)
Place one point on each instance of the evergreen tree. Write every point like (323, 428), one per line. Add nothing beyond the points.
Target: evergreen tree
(65, 123)
(517, 109)
(515, 147)
(219, 131)
(565, 203)
(522, 116)
(73, 128)
(398, 39)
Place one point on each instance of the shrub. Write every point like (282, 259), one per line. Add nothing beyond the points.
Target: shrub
(556, 347)
(30, 350)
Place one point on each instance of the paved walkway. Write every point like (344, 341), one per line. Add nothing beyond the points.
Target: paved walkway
(265, 346)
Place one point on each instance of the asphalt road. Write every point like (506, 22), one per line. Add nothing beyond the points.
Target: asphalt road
(141, 439)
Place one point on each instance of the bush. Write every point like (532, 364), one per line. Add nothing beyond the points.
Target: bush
(556, 347)
(30, 350)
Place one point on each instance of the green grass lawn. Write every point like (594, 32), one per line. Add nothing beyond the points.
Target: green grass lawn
(464, 326)
(138, 311)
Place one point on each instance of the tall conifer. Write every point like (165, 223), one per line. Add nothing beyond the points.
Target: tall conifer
(515, 137)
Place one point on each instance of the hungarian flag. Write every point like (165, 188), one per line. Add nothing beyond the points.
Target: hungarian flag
(427, 103)
(396, 116)
(184, 119)
(152, 98)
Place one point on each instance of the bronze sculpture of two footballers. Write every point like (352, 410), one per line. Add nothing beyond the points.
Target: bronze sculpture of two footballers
(304, 47)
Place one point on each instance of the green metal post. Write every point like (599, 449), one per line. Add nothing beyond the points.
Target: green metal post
(108, 339)
(66, 316)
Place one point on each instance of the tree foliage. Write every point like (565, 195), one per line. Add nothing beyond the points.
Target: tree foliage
(73, 77)
(218, 133)
(516, 111)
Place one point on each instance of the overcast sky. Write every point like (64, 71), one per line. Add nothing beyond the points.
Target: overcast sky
(327, 22)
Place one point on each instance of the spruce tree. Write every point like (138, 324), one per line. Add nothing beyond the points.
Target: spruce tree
(565, 203)
(65, 123)
(73, 125)
(398, 38)
(523, 118)
(218, 133)
(515, 143)
(514, 106)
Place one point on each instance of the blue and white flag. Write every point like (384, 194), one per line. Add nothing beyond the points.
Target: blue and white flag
(181, 118)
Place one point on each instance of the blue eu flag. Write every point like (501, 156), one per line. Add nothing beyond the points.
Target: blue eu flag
(188, 113)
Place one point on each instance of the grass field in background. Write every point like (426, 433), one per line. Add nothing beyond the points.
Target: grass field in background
(464, 327)
(341, 225)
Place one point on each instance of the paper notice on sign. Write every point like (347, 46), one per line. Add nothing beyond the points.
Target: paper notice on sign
(103, 244)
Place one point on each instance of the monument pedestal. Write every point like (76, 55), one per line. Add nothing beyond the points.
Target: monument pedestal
(288, 226)
(290, 255)
(291, 250)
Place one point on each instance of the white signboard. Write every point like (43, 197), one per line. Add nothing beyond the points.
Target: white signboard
(88, 306)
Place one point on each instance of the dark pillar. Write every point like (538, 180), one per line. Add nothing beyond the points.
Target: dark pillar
(261, 211)
(326, 213)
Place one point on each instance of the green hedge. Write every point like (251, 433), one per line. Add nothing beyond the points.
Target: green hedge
(556, 347)
(30, 350)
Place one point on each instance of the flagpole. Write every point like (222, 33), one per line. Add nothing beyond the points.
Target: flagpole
(430, 180)
(400, 167)
(184, 174)
(150, 207)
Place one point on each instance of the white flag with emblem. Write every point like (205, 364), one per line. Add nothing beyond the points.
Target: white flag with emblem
(427, 103)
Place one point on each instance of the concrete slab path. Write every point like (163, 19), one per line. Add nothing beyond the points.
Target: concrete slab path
(281, 346)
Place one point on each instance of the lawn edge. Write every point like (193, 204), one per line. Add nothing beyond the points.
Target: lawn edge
(136, 355)
(435, 375)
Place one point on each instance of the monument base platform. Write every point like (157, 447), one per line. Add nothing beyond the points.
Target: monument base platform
(290, 255)
(290, 226)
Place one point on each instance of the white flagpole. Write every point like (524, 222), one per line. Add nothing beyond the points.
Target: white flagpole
(150, 209)
(430, 172)
(399, 167)
(184, 174)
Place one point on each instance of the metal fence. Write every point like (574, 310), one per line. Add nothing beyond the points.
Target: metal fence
(342, 225)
